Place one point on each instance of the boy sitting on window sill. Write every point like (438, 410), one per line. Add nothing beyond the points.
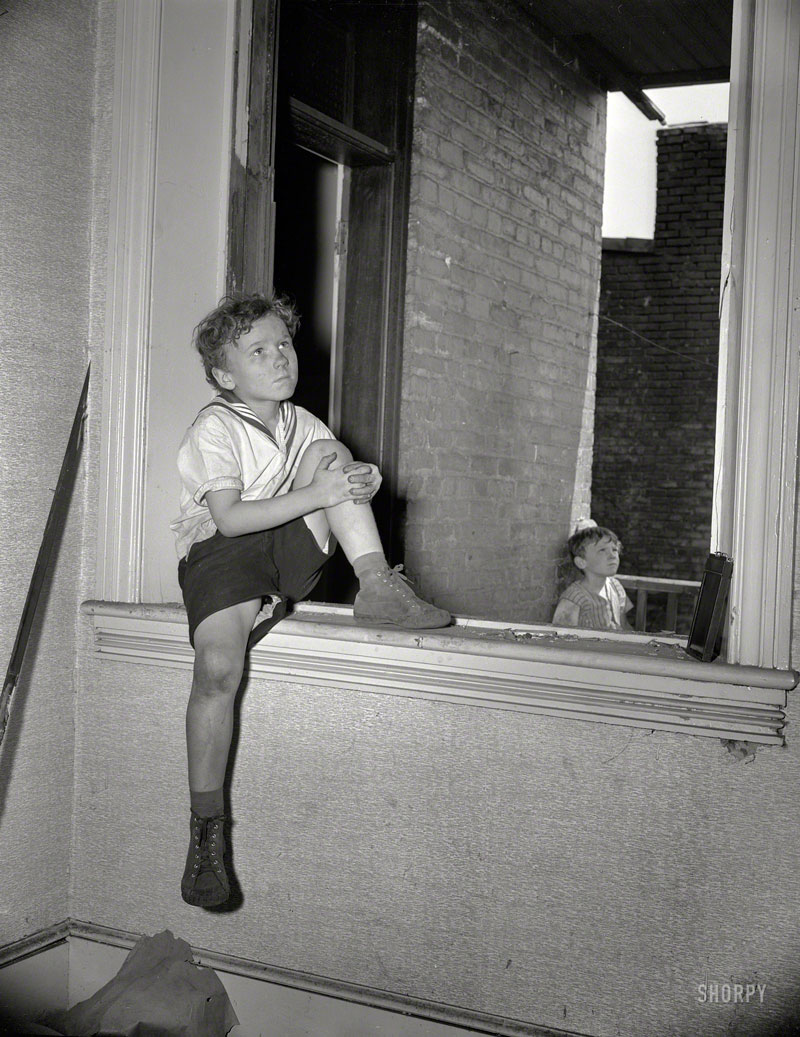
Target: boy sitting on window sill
(268, 492)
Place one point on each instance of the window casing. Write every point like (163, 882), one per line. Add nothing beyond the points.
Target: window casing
(755, 480)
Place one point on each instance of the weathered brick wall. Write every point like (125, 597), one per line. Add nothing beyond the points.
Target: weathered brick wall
(503, 273)
(655, 415)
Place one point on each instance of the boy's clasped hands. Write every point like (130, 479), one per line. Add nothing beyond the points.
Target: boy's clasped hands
(357, 481)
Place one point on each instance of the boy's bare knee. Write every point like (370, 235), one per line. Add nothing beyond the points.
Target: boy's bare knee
(320, 448)
(217, 670)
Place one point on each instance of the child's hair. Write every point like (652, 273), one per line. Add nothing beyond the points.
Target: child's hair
(590, 534)
(233, 316)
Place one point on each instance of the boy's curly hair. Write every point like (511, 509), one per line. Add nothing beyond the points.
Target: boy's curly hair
(233, 316)
(589, 535)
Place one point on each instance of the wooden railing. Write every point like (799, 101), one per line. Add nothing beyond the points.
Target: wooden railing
(51, 537)
(641, 586)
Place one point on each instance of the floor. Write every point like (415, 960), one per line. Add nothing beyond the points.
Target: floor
(63, 975)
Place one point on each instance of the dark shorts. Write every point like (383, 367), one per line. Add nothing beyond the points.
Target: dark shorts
(223, 571)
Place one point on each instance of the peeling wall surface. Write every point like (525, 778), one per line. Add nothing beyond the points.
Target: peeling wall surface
(47, 71)
(580, 876)
(500, 344)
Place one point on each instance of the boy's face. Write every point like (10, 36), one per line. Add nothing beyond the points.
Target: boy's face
(262, 363)
(600, 557)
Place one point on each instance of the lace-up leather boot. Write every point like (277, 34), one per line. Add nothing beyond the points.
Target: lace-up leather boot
(205, 883)
(386, 598)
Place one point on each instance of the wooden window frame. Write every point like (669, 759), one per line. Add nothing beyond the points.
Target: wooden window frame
(757, 428)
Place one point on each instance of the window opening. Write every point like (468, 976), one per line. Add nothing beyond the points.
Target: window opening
(659, 330)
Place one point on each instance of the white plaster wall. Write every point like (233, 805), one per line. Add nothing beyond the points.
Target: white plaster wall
(46, 182)
(581, 876)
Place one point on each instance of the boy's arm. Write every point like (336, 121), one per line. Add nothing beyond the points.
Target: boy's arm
(233, 516)
(567, 613)
(627, 605)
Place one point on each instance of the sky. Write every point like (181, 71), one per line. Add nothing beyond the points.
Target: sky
(629, 206)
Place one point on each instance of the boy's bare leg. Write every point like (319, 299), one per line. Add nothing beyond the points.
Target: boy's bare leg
(220, 641)
(219, 651)
(352, 524)
(385, 596)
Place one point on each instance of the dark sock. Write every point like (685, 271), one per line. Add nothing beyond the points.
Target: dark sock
(208, 804)
(371, 562)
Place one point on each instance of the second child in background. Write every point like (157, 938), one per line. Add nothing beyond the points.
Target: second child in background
(596, 601)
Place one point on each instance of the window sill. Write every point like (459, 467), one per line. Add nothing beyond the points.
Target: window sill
(614, 679)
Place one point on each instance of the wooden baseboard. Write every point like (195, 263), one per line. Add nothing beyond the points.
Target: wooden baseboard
(35, 943)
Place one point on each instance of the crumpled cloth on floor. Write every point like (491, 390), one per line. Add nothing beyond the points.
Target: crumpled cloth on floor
(158, 992)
